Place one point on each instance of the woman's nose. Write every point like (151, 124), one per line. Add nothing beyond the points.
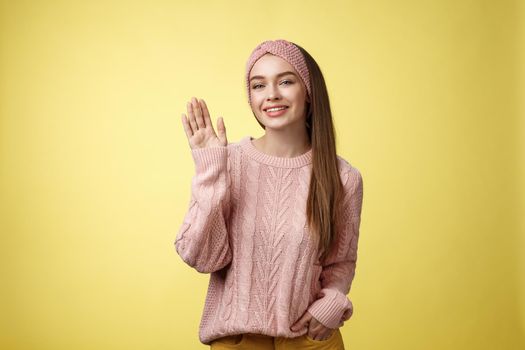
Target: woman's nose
(273, 93)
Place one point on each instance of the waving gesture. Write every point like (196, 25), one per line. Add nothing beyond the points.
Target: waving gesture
(199, 129)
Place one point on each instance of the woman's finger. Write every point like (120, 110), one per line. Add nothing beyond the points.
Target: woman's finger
(186, 126)
(193, 124)
(319, 331)
(206, 114)
(319, 336)
(198, 112)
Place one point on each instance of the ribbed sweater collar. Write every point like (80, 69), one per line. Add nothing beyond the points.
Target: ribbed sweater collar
(281, 162)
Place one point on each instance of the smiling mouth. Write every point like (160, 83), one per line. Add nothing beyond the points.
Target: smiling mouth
(276, 110)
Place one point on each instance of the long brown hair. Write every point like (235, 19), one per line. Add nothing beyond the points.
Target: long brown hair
(326, 189)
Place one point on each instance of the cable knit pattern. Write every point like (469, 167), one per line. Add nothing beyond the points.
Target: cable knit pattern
(246, 226)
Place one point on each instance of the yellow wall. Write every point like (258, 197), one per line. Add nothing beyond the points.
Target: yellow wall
(95, 168)
(520, 93)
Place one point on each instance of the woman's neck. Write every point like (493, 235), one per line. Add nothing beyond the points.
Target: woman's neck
(282, 145)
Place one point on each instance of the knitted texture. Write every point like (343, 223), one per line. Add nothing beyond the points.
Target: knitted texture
(246, 226)
(287, 51)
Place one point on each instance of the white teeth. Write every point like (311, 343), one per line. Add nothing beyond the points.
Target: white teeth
(275, 109)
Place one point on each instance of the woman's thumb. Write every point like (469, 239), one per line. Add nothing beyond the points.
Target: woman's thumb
(300, 323)
(221, 129)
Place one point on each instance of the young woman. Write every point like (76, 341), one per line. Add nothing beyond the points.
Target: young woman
(274, 220)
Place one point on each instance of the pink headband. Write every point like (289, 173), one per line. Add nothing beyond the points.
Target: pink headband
(287, 51)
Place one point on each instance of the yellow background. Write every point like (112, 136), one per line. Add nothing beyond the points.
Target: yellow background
(95, 168)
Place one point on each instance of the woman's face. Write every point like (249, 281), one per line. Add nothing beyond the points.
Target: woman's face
(271, 85)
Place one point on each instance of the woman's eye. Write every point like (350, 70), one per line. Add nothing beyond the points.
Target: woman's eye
(284, 81)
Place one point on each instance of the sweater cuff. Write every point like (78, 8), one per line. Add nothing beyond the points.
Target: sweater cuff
(209, 157)
(332, 309)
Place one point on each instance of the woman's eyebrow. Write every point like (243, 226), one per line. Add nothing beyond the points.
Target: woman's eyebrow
(278, 75)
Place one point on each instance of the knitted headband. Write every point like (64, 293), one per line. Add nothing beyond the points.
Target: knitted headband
(287, 51)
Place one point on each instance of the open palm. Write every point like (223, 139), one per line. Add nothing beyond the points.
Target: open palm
(199, 129)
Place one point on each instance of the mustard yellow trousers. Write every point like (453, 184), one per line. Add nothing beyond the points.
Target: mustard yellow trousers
(250, 341)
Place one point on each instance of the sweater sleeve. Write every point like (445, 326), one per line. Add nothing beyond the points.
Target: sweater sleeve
(333, 307)
(202, 240)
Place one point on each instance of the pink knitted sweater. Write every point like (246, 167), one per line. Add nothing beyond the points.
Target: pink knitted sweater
(246, 226)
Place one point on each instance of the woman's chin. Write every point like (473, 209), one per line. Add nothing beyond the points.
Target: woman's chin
(276, 125)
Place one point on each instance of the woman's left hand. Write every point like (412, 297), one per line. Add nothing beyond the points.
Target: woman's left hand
(316, 330)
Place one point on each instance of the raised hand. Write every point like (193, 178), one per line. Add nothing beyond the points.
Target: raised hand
(198, 126)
